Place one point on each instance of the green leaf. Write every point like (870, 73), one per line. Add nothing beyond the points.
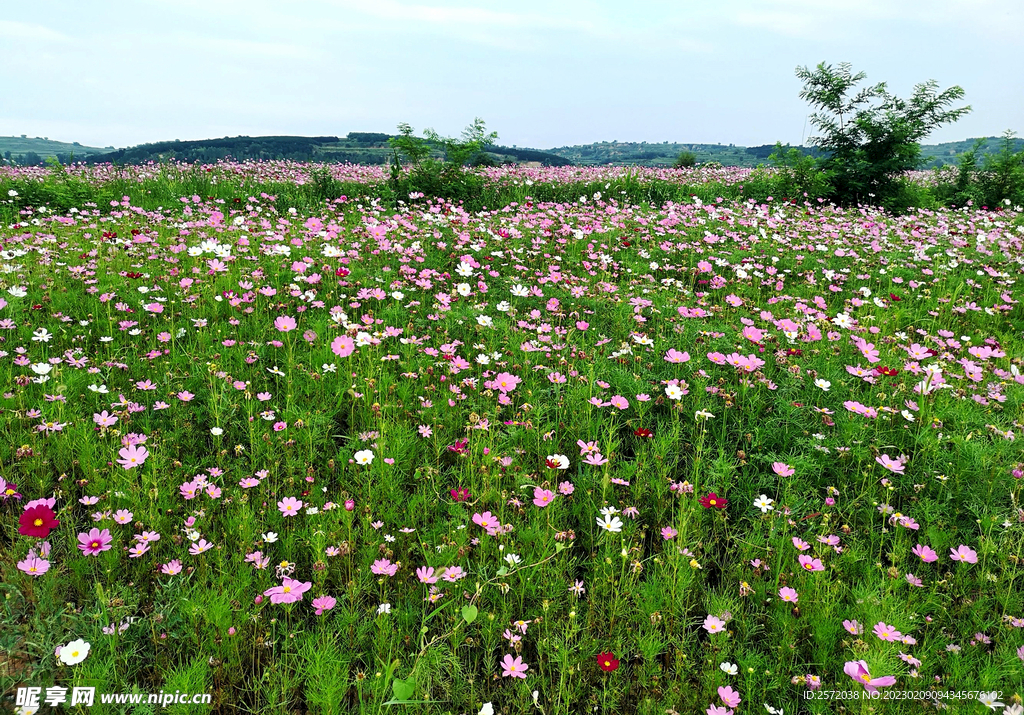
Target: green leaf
(470, 612)
(503, 571)
(559, 547)
(403, 689)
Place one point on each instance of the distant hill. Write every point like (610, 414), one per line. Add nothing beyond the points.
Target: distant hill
(356, 147)
(665, 153)
(35, 150)
(372, 148)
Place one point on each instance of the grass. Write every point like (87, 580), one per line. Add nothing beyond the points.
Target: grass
(369, 358)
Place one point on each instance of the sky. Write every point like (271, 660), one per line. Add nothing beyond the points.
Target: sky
(541, 73)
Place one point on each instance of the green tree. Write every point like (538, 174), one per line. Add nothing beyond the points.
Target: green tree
(461, 151)
(685, 160)
(413, 148)
(870, 137)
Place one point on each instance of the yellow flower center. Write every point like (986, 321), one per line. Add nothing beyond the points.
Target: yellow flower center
(38, 522)
(287, 589)
(74, 654)
(712, 502)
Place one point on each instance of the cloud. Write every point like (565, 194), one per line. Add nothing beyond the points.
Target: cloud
(30, 32)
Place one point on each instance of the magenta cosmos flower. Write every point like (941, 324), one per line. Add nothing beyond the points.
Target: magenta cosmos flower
(323, 603)
(926, 553)
(285, 323)
(289, 591)
(858, 670)
(94, 542)
(810, 564)
(514, 667)
(783, 469)
(343, 346)
(730, 697)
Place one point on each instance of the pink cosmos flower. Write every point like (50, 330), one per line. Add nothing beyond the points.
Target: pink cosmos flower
(668, 532)
(123, 516)
(426, 574)
(34, 566)
(285, 323)
(714, 624)
(289, 506)
(514, 667)
(171, 568)
(343, 346)
(674, 356)
(542, 497)
(893, 465)
(800, 544)
(783, 469)
(964, 553)
(719, 710)
(788, 594)
(133, 456)
(94, 542)
(566, 488)
(289, 591)
(810, 564)
(199, 547)
(886, 632)
(487, 520)
(858, 670)
(323, 603)
(926, 553)
(383, 567)
(729, 696)
(505, 382)
(853, 627)
(619, 402)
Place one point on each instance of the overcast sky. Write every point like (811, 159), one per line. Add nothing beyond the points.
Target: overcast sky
(542, 73)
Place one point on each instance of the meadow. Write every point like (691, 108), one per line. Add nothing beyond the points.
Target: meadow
(619, 442)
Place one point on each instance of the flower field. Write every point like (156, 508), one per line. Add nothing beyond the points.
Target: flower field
(592, 455)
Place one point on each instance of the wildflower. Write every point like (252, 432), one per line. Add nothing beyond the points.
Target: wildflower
(37, 521)
(607, 662)
(132, 456)
(926, 553)
(542, 497)
(702, 416)
(289, 591)
(764, 504)
(610, 523)
(34, 566)
(577, 589)
(94, 542)
(668, 532)
(557, 461)
(364, 457)
(74, 652)
(823, 384)
(788, 595)
(289, 506)
(783, 469)
(858, 670)
(383, 567)
(383, 609)
(964, 553)
(714, 501)
(729, 696)
(989, 700)
(893, 465)
(853, 627)
(714, 624)
(810, 564)
(887, 632)
(171, 568)
(729, 668)
(514, 667)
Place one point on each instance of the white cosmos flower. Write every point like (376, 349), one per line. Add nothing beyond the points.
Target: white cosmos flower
(702, 415)
(483, 359)
(520, 291)
(270, 537)
(823, 384)
(465, 270)
(364, 456)
(485, 321)
(216, 431)
(729, 668)
(74, 652)
(42, 335)
(363, 339)
(487, 709)
(41, 368)
(101, 389)
(610, 523)
(504, 306)
(764, 504)
(383, 608)
(329, 367)
(907, 415)
(17, 291)
(673, 392)
(398, 295)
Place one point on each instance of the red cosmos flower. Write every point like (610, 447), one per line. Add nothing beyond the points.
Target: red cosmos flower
(460, 494)
(627, 244)
(552, 463)
(37, 521)
(888, 371)
(894, 297)
(342, 272)
(641, 432)
(607, 661)
(713, 501)
(794, 351)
